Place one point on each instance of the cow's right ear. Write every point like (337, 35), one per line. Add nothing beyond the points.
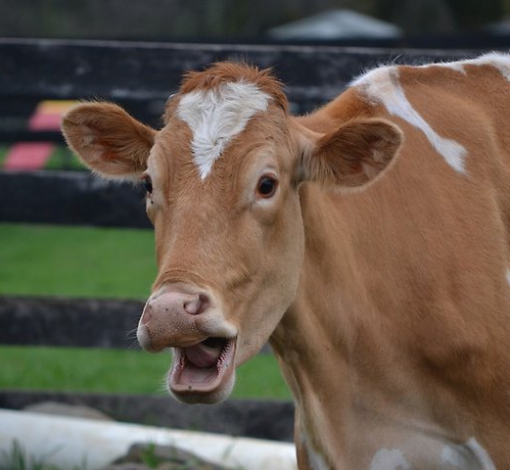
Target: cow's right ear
(350, 156)
(108, 140)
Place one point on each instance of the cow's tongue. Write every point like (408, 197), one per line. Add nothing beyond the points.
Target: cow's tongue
(202, 367)
(206, 353)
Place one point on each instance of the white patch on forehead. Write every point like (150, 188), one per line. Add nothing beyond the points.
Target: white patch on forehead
(382, 86)
(216, 116)
(507, 276)
(468, 456)
(389, 459)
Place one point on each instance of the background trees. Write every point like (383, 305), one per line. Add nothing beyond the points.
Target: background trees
(172, 19)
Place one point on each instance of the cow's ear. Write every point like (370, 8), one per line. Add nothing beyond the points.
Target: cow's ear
(352, 155)
(108, 140)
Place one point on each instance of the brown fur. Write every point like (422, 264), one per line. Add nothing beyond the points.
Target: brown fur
(354, 154)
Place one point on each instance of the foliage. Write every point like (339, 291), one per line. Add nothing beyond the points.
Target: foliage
(149, 457)
(17, 459)
(179, 19)
(439, 16)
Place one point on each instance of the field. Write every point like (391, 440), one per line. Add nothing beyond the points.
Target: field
(105, 263)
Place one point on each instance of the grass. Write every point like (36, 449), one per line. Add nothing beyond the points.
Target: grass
(102, 263)
(79, 262)
(115, 371)
(17, 459)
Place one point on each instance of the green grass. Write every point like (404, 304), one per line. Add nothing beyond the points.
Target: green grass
(18, 459)
(112, 371)
(103, 263)
(80, 262)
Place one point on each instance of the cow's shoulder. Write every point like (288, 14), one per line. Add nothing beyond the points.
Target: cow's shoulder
(430, 98)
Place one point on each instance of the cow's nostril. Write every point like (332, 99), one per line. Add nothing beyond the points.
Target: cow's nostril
(204, 300)
(198, 304)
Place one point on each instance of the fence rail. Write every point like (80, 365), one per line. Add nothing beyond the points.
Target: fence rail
(38, 321)
(151, 71)
(71, 198)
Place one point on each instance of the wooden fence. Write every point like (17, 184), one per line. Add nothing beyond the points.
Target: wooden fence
(140, 76)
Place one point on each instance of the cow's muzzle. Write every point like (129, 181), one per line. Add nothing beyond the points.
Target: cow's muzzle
(181, 316)
(191, 321)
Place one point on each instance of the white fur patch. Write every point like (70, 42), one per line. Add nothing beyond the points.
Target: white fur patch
(507, 276)
(389, 459)
(493, 59)
(316, 460)
(216, 116)
(468, 456)
(382, 86)
(455, 66)
(496, 60)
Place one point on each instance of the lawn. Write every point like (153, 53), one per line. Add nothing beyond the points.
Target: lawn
(92, 262)
(79, 262)
(112, 371)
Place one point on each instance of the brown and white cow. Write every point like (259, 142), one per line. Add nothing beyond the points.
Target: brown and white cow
(368, 242)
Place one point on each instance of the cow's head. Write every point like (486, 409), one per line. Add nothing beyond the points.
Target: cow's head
(222, 179)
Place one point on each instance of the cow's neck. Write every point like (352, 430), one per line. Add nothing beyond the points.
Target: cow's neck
(320, 328)
(324, 306)
(337, 355)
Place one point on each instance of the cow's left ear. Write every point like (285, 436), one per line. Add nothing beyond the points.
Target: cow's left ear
(108, 140)
(352, 155)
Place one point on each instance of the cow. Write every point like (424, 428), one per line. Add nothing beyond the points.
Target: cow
(367, 242)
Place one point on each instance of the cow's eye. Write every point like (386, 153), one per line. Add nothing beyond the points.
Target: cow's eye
(147, 182)
(267, 186)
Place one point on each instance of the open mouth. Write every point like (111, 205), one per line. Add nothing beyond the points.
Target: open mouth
(204, 367)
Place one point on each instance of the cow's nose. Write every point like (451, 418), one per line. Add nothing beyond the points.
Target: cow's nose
(168, 319)
(174, 303)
